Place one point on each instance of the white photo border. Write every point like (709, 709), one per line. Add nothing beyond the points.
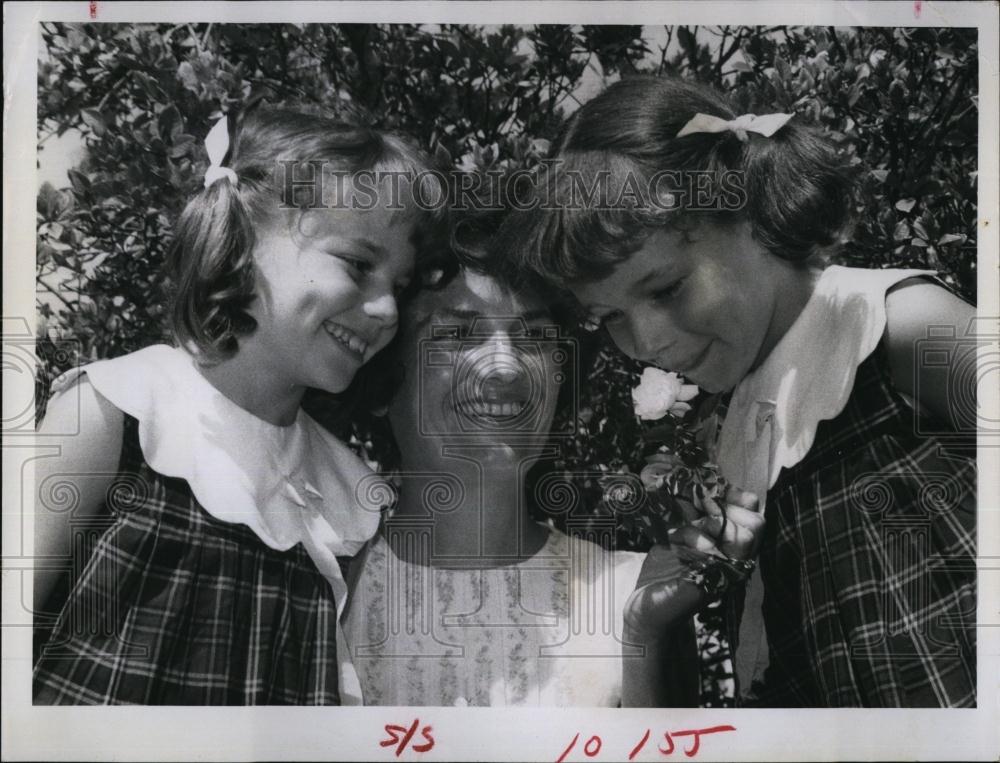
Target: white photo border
(310, 733)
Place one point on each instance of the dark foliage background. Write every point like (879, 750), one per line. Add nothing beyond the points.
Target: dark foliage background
(900, 103)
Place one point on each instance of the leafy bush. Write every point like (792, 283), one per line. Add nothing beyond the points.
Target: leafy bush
(901, 103)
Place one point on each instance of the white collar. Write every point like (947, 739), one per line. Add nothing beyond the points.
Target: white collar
(288, 484)
(807, 378)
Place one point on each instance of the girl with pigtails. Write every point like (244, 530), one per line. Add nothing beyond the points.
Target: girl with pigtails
(860, 452)
(219, 581)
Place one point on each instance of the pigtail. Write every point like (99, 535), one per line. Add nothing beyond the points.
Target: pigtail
(212, 265)
(799, 192)
(212, 256)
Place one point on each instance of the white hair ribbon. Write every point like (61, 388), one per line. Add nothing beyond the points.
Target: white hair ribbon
(766, 125)
(217, 146)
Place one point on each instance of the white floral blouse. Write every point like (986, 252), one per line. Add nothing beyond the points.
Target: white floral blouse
(546, 631)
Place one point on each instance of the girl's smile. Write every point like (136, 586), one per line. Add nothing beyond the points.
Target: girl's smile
(690, 368)
(356, 346)
(709, 303)
(326, 285)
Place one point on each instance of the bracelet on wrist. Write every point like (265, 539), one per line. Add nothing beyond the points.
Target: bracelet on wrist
(715, 575)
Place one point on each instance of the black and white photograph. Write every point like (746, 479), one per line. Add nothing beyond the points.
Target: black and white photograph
(501, 381)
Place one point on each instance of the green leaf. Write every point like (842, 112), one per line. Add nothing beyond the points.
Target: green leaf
(783, 68)
(79, 181)
(686, 38)
(905, 205)
(95, 121)
(185, 73)
(169, 123)
(442, 156)
(952, 238)
(897, 93)
(183, 144)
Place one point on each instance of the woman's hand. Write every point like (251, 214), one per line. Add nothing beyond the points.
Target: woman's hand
(663, 600)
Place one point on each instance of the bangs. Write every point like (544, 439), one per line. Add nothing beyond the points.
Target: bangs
(595, 209)
(427, 186)
(422, 200)
(355, 164)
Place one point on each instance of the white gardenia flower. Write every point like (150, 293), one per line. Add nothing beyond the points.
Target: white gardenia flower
(661, 392)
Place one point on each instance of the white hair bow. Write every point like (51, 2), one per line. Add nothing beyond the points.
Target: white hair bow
(766, 125)
(217, 146)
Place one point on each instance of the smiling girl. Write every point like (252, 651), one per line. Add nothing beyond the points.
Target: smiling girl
(217, 579)
(867, 558)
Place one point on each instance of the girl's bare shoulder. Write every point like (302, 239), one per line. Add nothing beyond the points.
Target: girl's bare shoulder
(85, 424)
(919, 309)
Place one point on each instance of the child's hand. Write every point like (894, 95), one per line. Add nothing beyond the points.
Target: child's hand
(735, 533)
(662, 597)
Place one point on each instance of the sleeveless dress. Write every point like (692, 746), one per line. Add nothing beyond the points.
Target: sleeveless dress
(868, 555)
(546, 631)
(215, 577)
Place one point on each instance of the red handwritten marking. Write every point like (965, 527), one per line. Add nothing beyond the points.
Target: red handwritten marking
(697, 737)
(93, 9)
(425, 732)
(395, 731)
(587, 748)
(562, 757)
(409, 735)
(391, 730)
(916, 8)
(670, 742)
(594, 744)
(638, 748)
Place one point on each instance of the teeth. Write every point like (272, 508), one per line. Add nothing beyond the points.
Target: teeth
(481, 408)
(347, 337)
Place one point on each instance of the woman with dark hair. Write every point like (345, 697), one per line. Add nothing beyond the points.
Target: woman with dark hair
(705, 258)
(464, 598)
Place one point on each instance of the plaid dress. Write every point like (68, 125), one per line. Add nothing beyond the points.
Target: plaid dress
(868, 562)
(176, 607)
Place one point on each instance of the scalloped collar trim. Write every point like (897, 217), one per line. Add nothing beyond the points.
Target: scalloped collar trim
(808, 377)
(289, 485)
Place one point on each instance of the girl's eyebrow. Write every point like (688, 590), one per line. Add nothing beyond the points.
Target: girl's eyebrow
(371, 246)
(656, 274)
(360, 242)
